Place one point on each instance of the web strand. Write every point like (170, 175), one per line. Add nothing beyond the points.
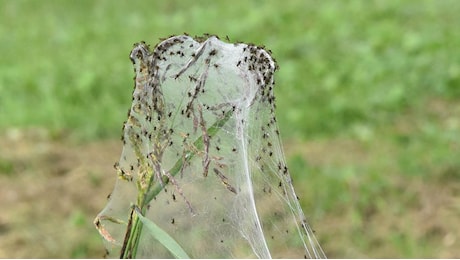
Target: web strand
(202, 154)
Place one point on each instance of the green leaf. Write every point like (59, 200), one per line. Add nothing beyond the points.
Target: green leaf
(162, 236)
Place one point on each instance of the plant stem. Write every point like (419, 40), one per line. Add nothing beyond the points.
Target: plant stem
(134, 228)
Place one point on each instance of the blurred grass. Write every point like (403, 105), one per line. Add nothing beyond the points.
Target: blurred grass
(383, 75)
(65, 65)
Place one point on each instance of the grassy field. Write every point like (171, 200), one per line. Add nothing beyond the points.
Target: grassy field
(368, 105)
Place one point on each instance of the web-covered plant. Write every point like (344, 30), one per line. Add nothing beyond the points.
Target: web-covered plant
(202, 173)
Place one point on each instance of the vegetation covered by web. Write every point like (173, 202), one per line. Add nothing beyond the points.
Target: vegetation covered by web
(202, 160)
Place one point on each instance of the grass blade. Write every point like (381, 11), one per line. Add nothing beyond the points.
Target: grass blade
(162, 236)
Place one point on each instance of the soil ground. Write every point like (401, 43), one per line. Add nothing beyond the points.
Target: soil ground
(51, 190)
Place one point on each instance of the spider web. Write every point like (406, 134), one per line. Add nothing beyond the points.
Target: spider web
(202, 129)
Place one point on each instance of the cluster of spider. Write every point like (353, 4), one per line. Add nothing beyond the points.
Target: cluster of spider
(202, 124)
(149, 116)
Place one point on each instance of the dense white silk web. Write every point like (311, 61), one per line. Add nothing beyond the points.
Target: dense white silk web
(202, 158)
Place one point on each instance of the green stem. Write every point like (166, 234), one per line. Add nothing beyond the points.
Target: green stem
(134, 229)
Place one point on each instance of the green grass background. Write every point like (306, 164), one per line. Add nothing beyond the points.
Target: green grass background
(381, 75)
